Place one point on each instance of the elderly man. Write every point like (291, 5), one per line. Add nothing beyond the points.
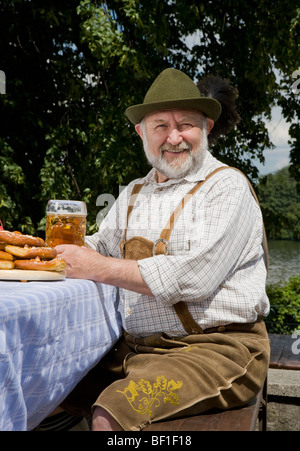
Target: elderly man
(184, 245)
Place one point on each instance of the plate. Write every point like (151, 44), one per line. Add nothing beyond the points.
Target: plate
(23, 274)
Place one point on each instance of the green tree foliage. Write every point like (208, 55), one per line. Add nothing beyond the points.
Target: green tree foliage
(284, 315)
(72, 67)
(280, 205)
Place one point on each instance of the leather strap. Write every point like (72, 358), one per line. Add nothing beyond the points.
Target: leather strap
(186, 319)
(166, 233)
(136, 189)
(181, 308)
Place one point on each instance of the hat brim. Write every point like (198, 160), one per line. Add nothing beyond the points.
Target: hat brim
(210, 107)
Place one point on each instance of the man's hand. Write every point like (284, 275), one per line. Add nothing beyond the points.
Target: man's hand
(82, 262)
(86, 263)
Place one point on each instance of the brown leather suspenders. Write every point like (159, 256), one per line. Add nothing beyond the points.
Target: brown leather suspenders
(160, 245)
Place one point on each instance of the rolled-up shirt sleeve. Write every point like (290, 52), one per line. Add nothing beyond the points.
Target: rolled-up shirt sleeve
(111, 230)
(107, 240)
(227, 223)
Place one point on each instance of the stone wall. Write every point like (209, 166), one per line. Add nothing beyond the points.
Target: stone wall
(283, 400)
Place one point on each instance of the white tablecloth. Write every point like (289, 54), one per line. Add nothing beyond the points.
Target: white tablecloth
(51, 335)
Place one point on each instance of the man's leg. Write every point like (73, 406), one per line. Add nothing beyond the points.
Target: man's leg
(215, 370)
(103, 421)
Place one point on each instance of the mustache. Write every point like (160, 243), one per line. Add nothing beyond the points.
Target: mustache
(179, 147)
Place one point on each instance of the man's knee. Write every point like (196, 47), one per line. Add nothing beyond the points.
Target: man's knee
(103, 421)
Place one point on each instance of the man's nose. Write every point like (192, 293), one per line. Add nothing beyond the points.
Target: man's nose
(174, 137)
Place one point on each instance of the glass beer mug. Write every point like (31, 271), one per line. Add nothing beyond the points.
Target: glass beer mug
(65, 222)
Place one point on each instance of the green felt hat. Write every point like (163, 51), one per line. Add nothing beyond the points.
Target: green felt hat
(173, 89)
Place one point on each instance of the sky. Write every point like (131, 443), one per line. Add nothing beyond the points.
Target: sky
(278, 157)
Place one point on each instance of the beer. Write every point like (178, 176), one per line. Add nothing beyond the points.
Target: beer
(65, 222)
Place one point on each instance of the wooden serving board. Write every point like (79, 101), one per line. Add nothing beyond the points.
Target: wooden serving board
(25, 275)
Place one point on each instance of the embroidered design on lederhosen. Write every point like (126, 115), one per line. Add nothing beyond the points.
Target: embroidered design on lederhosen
(143, 396)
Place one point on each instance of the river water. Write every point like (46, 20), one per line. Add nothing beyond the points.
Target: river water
(284, 260)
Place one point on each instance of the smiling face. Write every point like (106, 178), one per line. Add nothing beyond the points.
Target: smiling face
(175, 141)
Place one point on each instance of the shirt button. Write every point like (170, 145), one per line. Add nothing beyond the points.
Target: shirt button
(128, 311)
(221, 329)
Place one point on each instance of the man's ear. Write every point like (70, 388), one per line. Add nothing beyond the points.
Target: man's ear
(209, 124)
(139, 130)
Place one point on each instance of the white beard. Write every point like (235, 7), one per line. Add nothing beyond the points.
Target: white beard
(172, 170)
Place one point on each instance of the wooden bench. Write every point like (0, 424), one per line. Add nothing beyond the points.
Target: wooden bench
(241, 419)
(282, 355)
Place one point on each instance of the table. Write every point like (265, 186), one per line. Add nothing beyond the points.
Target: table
(51, 335)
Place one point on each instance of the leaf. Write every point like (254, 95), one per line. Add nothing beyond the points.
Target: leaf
(121, 47)
(172, 385)
(161, 383)
(145, 386)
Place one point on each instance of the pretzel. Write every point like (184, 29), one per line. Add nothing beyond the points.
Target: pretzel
(18, 239)
(27, 252)
(57, 264)
(5, 264)
(6, 256)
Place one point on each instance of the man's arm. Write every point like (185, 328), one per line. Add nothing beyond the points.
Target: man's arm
(219, 244)
(86, 263)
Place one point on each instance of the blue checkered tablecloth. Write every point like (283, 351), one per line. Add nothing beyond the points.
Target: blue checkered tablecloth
(51, 335)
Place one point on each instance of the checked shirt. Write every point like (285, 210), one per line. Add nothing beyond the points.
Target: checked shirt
(215, 257)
